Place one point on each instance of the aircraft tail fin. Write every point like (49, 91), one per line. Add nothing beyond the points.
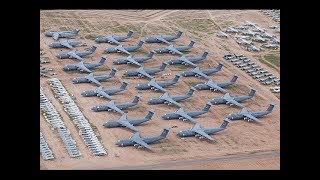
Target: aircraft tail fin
(113, 72)
(150, 114)
(205, 54)
(76, 31)
(136, 99)
(165, 132)
(207, 107)
(163, 66)
(176, 78)
(192, 43)
(220, 66)
(234, 78)
(225, 123)
(270, 108)
(252, 92)
(129, 33)
(179, 34)
(140, 43)
(191, 90)
(151, 53)
(124, 85)
(93, 48)
(103, 59)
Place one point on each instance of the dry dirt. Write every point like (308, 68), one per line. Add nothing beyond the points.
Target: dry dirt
(240, 138)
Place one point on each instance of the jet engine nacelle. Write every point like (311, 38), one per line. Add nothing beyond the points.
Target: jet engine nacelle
(136, 145)
(180, 117)
(109, 110)
(197, 135)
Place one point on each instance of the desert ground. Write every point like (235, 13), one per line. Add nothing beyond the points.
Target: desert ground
(242, 145)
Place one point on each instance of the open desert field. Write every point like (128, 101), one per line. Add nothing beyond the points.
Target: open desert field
(242, 145)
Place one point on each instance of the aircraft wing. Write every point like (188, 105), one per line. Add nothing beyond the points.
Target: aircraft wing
(215, 86)
(94, 80)
(171, 48)
(232, 101)
(66, 44)
(138, 140)
(172, 101)
(133, 61)
(76, 56)
(251, 117)
(202, 133)
(120, 48)
(83, 67)
(159, 38)
(128, 125)
(110, 38)
(185, 115)
(55, 36)
(114, 107)
(184, 59)
(202, 74)
(145, 74)
(156, 85)
(104, 94)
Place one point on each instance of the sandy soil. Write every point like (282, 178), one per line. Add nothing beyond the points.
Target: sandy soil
(240, 137)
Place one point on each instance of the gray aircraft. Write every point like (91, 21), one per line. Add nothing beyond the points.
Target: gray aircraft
(232, 30)
(167, 99)
(210, 85)
(111, 106)
(113, 39)
(222, 34)
(90, 78)
(233, 100)
(200, 132)
(62, 34)
(152, 84)
(133, 60)
(188, 60)
(163, 39)
(105, 93)
(123, 121)
(183, 115)
(141, 72)
(202, 73)
(124, 49)
(137, 141)
(175, 49)
(250, 116)
(249, 23)
(64, 44)
(77, 55)
(85, 66)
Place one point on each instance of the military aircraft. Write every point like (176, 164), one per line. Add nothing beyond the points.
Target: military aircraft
(232, 30)
(200, 132)
(243, 41)
(185, 60)
(250, 116)
(258, 29)
(85, 66)
(216, 86)
(233, 100)
(111, 106)
(222, 34)
(175, 49)
(77, 55)
(242, 37)
(102, 92)
(133, 60)
(183, 115)
(113, 39)
(242, 27)
(202, 73)
(152, 84)
(249, 33)
(62, 34)
(266, 35)
(163, 39)
(123, 121)
(167, 99)
(259, 39)
(64, 44)
(140, 142)
(141, 72)
(124, 49)
(274, 46)
(94, 79)
(249, 23)
(253, 48)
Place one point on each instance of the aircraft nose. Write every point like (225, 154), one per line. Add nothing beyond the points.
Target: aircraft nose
(83, 93)
(119, 143)
(50, 45)
(97, 40)
(94, 108)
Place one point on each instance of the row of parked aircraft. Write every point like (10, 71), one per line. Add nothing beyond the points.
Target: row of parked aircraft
(136, 140)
